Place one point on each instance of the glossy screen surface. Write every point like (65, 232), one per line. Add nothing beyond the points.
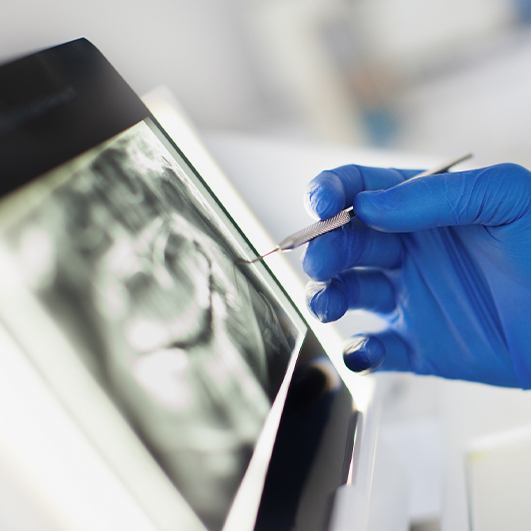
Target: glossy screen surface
(139, 267)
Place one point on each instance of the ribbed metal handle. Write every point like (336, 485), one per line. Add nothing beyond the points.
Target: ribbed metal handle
(317, 229)
(326, 225)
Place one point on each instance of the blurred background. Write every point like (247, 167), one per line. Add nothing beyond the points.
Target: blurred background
(440, 77)
(435, 78)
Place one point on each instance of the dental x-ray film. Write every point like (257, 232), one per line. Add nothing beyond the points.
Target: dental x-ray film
(137, 266)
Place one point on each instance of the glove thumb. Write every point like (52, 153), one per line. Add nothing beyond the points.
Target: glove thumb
(491, 196)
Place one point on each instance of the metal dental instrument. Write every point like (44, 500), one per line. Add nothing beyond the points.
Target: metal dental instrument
(326, 225)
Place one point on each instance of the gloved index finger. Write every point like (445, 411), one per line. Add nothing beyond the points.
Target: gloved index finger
(333, 190)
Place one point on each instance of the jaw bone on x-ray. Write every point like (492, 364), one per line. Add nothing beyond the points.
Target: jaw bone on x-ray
(191, 347)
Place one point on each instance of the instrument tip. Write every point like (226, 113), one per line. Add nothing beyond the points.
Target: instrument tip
(258, 258)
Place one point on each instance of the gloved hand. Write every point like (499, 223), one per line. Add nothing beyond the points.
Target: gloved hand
(446, 259)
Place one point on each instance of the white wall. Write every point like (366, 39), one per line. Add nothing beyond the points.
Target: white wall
(193, 46)
(268, 65)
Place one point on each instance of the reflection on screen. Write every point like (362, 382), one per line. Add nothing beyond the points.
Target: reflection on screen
(132, 262)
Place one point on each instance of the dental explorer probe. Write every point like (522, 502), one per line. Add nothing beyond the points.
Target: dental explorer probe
(326, 225)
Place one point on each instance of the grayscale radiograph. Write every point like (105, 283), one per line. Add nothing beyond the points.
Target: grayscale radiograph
(187, 343)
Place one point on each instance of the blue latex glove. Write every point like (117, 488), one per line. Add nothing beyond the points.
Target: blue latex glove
(447, 261)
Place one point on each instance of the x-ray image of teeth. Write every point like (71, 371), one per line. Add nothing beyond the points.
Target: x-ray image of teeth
(129, 259)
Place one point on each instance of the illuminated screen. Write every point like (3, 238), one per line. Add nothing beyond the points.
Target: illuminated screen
(139, 266)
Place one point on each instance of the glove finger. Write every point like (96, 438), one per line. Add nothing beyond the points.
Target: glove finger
(492, 196)
(350, 246)
(386, 351)
(334, 190)
(368, 290)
